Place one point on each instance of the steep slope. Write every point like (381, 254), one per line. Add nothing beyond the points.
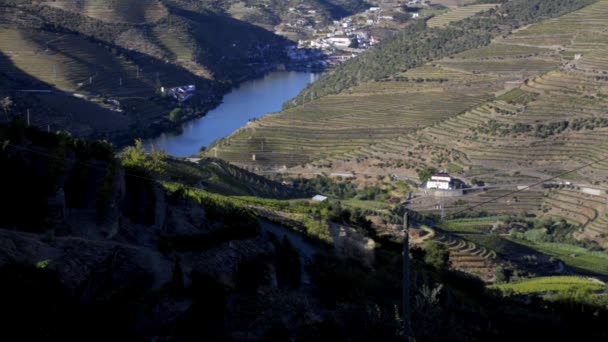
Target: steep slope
(125, 52)
(104, 249)
(418, 45)
(543, 114)
(127, 11)
(389, 107)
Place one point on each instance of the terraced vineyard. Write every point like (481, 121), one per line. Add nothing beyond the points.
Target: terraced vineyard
(469, 257)
(479, 225)
(337, 124)
(457, 14)
(65, 61)
(564, 94)
(575, 206)
(446, 138)
(127, 11)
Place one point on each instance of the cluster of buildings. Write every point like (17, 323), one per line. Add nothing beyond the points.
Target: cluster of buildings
(302, 19)
(350, 36)
(181, 94)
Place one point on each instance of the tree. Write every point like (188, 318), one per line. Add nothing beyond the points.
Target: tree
(354, 43)
(426, 173)
(503, 275)
(6, 103)
(437, 255)
(135, 156)
(176, 115)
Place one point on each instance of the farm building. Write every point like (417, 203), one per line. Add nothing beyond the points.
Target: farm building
(441, 181)
(319, 198)
(182, 94)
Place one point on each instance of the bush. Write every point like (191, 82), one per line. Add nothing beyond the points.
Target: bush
(176, 115)
(426, 173)
(437, 255)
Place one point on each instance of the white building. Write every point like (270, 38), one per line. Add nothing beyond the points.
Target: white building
(319, 198)
(441, 181)
(339, 41)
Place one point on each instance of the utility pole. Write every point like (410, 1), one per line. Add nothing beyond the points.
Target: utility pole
(406, 276)
(28, 117)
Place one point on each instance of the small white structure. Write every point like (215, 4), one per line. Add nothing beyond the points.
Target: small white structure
(415, 15)
(339, 41)
(441, 181)
(319, 198)
(181, 94)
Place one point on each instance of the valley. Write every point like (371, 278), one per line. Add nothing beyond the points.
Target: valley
(524, 108)
(323, 170)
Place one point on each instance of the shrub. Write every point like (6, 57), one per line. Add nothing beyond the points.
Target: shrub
(437, 255)
(176, 115)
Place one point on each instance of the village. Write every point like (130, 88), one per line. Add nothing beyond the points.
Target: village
(346, 38)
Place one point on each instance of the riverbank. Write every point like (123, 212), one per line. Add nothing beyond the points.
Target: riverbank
(251, 100)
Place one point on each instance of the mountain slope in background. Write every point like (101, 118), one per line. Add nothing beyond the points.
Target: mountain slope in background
(93, 52)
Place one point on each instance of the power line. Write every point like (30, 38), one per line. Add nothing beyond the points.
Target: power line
(529, 186)
(187, 186)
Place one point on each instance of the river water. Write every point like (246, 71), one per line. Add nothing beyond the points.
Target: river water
(252, 99)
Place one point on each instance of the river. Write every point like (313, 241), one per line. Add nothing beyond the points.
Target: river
(252, 99)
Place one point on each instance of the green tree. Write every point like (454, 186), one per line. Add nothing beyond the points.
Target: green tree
(426, 173)
(503, 275)
(176, 115)
(437, 255)
(135, 157)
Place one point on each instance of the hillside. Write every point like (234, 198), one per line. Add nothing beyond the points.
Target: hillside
(270, 13)
(142, 245)
(115, 58)
(358, 119)
(509, 98)
(527, 106)
(124, 11)
(418, 44)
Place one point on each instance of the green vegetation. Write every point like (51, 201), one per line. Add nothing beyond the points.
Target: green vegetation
(135, 157)
(437, 255)
(458, 14)
(417, 45)
(176, 115)
(578, 258)
(426, 173)
(551, 284)
(43, 263)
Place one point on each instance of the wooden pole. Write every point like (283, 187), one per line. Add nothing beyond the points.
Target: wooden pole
(406, 277)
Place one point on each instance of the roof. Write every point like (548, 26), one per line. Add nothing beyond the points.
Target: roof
(441, 174)
(319, 198)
